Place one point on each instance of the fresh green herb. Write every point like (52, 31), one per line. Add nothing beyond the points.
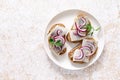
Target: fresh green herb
(97, 29)
(58, 43)
(91, 33)
(89, 27)
(51, 41)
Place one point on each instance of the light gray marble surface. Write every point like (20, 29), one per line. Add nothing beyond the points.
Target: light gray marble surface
(22, 26)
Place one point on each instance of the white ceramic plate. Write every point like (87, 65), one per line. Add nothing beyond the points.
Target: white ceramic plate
(67, 18)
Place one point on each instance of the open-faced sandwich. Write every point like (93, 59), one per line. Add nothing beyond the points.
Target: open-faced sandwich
(83, 52)
(57, 39)
(80, 29)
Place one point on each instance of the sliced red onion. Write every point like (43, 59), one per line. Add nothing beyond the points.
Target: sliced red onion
(83, 30)
(82, 34)
(60, 38)
(80, 56)
(88, 49)
(59, 32)
(77, 27)
(81, 25)
(54, 37)
(77, 32)
(57, 48)
(92, 47)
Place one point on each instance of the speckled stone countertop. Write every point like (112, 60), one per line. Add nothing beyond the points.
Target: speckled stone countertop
(22, 26)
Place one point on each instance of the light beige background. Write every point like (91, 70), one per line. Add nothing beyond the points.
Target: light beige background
(22, 24)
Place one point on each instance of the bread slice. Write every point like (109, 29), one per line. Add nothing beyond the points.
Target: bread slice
(52, 29)
(70, 54)
(75, 38)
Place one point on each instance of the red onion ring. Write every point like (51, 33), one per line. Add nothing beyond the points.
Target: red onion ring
(77, 27)
(81, 34)
(57, 48)
(79, 30)
(88, 48)
(92, 47)
(83, 30)
(81, 25)
(60, 38)
(59, 31)
(80, 56)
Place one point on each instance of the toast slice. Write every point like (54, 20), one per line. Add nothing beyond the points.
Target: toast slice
(80, 46)
(70, 54)
(80, 19)
(54, 39)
